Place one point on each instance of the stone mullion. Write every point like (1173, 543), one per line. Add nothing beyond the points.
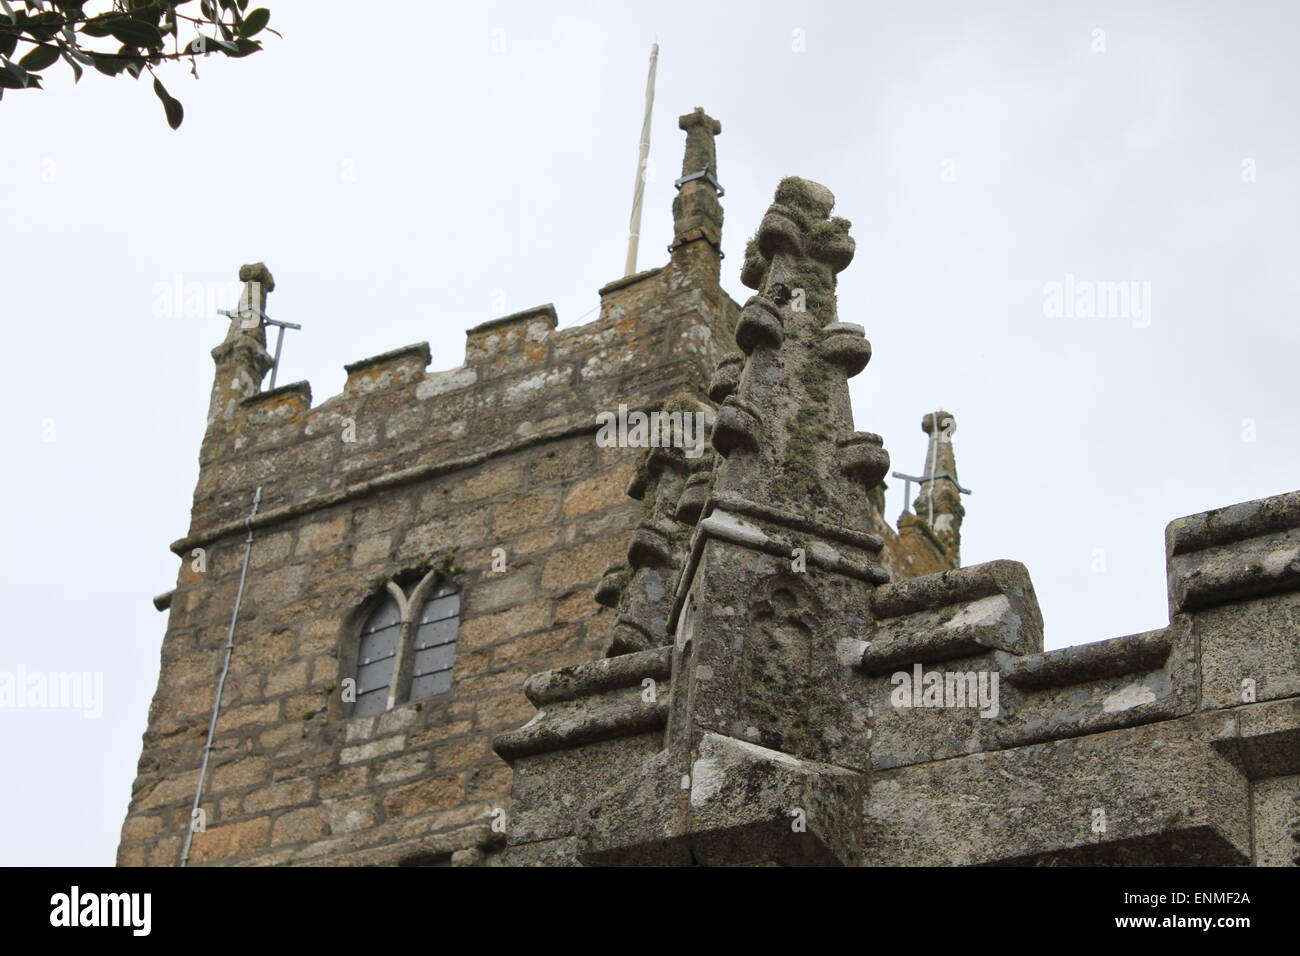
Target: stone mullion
(399, 686)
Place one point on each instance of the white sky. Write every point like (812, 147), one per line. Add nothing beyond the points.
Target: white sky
(393, 170)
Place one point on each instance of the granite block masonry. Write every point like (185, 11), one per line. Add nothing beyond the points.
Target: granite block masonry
(655, 657)
(490, 473)
(784, 739)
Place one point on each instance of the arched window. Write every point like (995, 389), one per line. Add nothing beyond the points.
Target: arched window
(435, 643)
(376, 654)
(407, 645)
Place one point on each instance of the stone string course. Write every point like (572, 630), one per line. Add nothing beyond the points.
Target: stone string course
(410, 468)
(498, 453)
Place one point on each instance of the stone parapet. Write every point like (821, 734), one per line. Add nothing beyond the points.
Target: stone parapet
(1243, 551)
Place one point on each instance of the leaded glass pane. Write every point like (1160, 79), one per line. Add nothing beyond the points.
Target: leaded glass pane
(378, 645)
(374, 702)
(430, 684)
(440, 607)
(385, 615)
(438, 658)
(439, 632)
(435, 644)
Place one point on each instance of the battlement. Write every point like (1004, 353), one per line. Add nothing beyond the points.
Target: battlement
(1245, 550)
(484, 478)
(1177, 752)
(899, 722)
(648, 656)
(395, 417)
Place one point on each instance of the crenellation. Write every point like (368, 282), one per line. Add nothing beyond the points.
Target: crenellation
(806, 683)
(953, 614)
(1116, 657)
(512, 342)
(387, 370)
(633, 655)
(1246, 567)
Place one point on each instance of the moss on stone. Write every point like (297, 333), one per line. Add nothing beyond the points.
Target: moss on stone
(818, 288)
(807, 432)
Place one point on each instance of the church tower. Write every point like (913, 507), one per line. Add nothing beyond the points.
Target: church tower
(368, 581)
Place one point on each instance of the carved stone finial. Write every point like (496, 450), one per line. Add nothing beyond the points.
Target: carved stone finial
(640, 589)
(701, 152)
(786, 425)
(938, 501)
(259, 273)
(697, 214)
(247, 320)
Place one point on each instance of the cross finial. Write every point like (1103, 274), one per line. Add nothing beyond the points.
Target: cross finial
(258, 281)
(697, 214)
(700, 153)
(250, 317)
(939, 489)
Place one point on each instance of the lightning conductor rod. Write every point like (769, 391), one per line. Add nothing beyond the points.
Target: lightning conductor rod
(221, 684)
(634, 229)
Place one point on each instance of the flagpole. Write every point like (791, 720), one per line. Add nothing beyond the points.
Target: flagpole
(634, 229)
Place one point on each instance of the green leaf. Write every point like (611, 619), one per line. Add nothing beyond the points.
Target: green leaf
(38, 58)
(202, 44)
(98, 26)
(254, 22)
(171, 106)
(150, 13)
(8, 41)
(45, 27)
(133, 32)
(108, 64)
(246, 47)
(13, 76)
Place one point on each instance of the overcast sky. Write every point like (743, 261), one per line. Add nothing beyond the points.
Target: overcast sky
(408, 170)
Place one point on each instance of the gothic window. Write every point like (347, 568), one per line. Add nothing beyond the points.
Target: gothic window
(435, 643)
(407, 645)
(376, 654)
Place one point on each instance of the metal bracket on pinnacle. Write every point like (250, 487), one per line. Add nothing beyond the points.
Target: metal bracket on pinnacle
(264, 319)
(702, 174)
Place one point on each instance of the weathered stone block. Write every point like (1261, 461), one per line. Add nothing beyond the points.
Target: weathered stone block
(954, 614)
(297, 826)
(1159, 794)
(582, 564)
(437, 793)
(376, 748)
(512, 622)
(230, 840)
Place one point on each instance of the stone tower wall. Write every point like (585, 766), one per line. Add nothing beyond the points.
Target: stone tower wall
(406, 470)
(446, 466)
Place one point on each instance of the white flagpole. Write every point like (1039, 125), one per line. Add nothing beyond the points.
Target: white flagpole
(634, 231)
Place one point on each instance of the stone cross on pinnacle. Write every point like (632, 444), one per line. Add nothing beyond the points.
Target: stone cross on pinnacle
(701, 153)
